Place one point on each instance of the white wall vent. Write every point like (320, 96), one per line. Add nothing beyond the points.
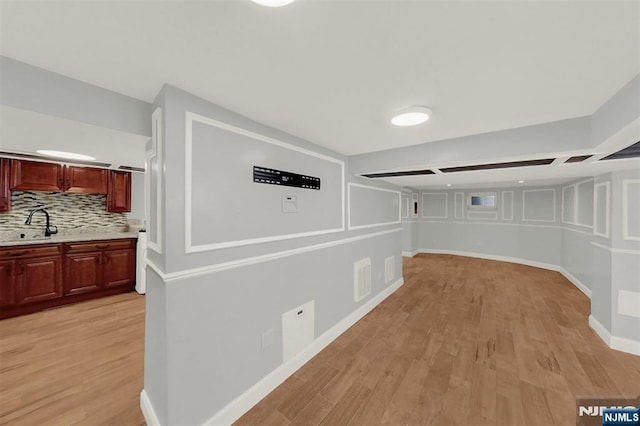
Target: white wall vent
(361, 279)
(389, 269)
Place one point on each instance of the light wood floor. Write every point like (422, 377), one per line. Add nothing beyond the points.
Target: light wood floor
(464, 341)
(80, 364)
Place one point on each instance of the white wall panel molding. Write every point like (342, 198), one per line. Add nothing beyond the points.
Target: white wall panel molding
(629, 303)
(371, 225)
(444, 200)
(239, 263)
(482, 215)
(615, 250)
(459, 205)
(153, 183)
(507, 200)
(405, 208)
(579, 207)
(492, 223)
(627, 215)
(569, 199)
(190, 247)
(552, 217)
(602, 209)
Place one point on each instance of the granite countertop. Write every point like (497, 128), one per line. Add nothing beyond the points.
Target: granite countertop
(55, 239)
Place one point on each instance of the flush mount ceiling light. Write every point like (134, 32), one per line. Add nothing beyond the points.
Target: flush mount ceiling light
(520, 181)
(412, 116)
(65, 155)
(273, 3)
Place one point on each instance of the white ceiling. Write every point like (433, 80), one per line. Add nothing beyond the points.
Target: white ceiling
(333, 72)
(26, 131)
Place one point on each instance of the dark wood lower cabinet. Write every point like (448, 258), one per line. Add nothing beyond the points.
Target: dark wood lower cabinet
(33, 278)
(83, 272)
(39, 279)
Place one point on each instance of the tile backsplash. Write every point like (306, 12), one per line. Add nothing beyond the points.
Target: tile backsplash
(71, 213)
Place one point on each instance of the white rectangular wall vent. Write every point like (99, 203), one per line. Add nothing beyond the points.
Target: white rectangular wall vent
(361, 279)
(389, 269)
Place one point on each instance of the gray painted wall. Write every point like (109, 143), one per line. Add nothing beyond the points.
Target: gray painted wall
(31, 88)
(521, 215)
(204, 329)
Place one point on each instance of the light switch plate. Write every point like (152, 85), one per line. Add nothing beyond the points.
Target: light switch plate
(290, 204)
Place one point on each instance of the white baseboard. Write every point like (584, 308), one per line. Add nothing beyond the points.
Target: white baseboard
(576, 282)
(409, 253)
(614, 342)
(148, 412)
(243, 403)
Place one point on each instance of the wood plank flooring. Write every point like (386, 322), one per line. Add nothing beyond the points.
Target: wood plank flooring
(464, 342)
(79, 364)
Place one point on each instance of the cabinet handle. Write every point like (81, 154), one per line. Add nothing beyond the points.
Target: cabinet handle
(102, 246)
(106, 259)
(19, 253)
(99, 260)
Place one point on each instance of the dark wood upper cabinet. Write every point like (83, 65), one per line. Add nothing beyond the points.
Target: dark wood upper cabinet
(36, 176)
(5, 187)
(119, 195)
(85, 180)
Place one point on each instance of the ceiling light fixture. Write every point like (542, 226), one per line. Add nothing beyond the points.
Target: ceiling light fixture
(448, 184)
(412, 116)
(520, 181)
(65, 155)
(273, 3)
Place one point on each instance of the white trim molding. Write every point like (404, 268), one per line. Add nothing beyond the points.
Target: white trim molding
(455, 204)
(371, 225)
(504, 217)
(614, 342)
(243, 403)
(149, 414)
(615, 250)
(607, 211)
(154, 164)
(575, 204)
(577, 200)
(238, 263)
(625, 210)
(446, 205)
(524, 203)
(407, 209)
(409, 253)
(190, 118)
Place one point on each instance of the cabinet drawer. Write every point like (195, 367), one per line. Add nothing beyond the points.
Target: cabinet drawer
(30, 251)
(99, 245)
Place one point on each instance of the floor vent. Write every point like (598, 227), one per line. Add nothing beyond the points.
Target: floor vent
(361, 279)
(389, 269)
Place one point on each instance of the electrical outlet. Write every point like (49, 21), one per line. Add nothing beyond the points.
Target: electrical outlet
(268, 338)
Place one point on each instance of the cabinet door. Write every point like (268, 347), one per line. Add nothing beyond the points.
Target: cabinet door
(7, 283)
(83, 272)
(119, 268)
(5, 188)
(39, 279)
(35, 176)
(85, 180)
(119, 196)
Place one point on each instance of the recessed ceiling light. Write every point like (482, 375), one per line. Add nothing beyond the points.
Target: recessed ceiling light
(448, 184)
(65, 155)
(273, 3)
(520, 181)
(412, 116)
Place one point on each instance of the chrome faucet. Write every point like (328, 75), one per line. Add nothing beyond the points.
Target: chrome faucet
(47, 230)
